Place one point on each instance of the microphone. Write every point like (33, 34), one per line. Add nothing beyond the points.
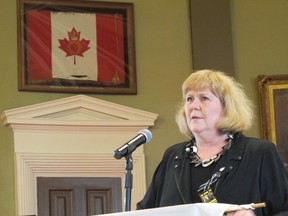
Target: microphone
(143, 136)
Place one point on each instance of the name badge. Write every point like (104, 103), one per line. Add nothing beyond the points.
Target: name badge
(208, 196)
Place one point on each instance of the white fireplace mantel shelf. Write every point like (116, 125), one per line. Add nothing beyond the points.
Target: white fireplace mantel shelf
(78, 128)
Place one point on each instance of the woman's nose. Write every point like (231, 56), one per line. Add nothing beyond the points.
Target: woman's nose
(195, 105)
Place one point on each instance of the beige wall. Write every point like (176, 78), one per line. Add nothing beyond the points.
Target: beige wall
(163, 58)
(260, 43)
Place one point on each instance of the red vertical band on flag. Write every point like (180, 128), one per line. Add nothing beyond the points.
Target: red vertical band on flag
(110, 48)
(39, 45)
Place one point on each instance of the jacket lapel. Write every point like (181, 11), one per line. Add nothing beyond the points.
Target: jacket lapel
(231, 160)
(182, 176)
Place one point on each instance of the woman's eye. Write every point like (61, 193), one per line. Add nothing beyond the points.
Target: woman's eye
(204, 98)
(189, 99)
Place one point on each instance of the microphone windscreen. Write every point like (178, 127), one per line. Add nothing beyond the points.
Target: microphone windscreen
(147, 133)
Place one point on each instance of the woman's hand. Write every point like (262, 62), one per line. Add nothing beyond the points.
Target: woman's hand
(241, 213)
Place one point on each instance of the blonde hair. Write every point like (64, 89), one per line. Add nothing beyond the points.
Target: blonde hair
(237, 107)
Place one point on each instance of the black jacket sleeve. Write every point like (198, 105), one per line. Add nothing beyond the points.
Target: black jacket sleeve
(274, 182)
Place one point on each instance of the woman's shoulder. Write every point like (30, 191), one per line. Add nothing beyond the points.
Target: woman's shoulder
(176, 149)
(257, 144)
(177, 146)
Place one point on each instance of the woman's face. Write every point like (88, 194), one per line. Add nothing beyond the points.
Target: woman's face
(202, 110)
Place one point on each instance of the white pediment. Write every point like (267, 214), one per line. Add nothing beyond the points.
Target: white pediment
(73, 137)
(78, 110)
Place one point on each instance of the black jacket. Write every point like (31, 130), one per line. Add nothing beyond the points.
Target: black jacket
(253, 173)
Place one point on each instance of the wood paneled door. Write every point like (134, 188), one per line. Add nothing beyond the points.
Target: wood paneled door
(73, 196)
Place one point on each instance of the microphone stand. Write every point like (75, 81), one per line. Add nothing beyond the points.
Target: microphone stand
(128, 182)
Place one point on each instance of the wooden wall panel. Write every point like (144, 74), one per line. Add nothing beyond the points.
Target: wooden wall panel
(211, 33)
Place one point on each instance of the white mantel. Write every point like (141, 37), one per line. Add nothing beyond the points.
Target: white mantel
(73, 137)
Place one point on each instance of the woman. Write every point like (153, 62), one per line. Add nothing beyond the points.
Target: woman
(219, 163)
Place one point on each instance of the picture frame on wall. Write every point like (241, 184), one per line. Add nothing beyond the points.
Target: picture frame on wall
(76, 47)
(273, 92)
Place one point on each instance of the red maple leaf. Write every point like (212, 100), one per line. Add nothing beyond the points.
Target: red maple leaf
(74, 46)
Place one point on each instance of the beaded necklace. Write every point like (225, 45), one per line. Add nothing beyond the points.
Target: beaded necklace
(192, 149)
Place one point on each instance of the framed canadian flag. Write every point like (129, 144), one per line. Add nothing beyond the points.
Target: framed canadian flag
(76, 47)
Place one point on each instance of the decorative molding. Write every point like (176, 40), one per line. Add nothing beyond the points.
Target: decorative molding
(79, 110)
(31, 166)
(73, 137)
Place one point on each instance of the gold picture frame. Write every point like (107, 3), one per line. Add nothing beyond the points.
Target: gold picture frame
(273, 92)
(76, 47)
